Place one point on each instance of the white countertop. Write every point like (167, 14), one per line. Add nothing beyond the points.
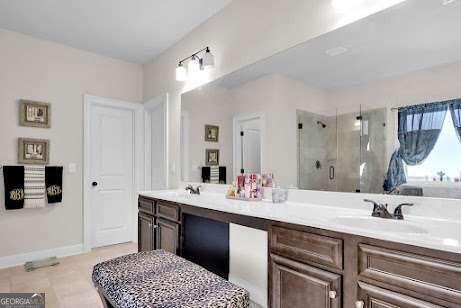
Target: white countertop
(435, 233)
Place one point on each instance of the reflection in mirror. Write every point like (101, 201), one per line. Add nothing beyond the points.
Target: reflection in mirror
(380, 116)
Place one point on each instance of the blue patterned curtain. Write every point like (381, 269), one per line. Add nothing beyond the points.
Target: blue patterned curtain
(418, 130)
(455, 109)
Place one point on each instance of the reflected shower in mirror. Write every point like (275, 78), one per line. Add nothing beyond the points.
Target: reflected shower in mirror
(382, 116)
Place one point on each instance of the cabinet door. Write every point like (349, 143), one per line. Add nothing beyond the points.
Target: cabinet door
(167, 236)
(294, 284)
(146, 232)
(374, 297)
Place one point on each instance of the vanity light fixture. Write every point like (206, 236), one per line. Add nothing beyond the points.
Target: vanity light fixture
(195, 64)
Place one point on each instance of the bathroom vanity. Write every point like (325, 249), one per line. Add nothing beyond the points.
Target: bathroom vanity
(315, 258)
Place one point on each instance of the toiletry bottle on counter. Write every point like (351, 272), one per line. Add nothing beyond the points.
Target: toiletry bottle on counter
(247, 188)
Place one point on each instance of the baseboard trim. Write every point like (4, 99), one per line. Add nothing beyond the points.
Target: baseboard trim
(20, 259)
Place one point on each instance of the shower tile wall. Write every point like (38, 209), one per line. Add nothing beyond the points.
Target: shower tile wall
(316, 151)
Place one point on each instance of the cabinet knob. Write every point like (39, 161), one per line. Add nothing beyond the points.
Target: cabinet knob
(359, 304)
(332, 294)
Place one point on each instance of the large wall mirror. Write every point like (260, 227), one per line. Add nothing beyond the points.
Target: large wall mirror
(372, 107)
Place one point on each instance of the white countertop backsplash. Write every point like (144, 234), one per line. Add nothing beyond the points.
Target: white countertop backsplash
(439, 218)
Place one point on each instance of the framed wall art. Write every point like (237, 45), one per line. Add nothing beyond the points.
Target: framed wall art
(33, 151)
(212, 157)
(34, 114)
(211, 133)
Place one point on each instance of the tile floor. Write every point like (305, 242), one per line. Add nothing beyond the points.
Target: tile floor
(67, 285)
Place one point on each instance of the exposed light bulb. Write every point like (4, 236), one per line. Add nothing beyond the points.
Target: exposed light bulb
(181, 72)
(193, 67)
(208, 60)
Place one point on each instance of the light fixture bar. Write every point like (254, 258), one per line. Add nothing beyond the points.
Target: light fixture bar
(195, 54)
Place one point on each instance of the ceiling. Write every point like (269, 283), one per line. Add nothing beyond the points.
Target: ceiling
(134, 31)
(412, 36)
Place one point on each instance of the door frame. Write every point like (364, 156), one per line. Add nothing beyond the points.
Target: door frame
(148, 105)
(241, 117)
(138, 158)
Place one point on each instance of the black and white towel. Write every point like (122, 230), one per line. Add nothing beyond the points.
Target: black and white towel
(34, 187)
(214, 174)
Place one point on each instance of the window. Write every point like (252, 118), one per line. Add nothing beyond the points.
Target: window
(441, 165)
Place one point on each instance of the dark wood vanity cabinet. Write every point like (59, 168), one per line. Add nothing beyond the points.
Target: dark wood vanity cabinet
(294, 284)
(158, 226)
(146, 232)
(303, 270)
(167, 236)
(316, 268)
(376, 297)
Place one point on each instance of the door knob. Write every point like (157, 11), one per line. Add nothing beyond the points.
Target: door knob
(94, 184)
(332, 294)
(359, 304)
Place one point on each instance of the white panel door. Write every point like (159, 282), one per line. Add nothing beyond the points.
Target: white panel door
(251, 144)
(112, 174)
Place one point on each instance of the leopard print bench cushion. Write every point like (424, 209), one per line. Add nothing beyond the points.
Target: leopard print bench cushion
(161, 279)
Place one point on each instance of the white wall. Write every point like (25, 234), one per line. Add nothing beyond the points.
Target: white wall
(210, 105)
(430, 85)
(44, 71)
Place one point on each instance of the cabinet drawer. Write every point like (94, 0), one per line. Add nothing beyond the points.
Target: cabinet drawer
(146, 205)
(375, 297)
(424, 275)
(168, 210)
(307, 247)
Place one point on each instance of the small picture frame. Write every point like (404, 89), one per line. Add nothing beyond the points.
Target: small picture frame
(33, 151)
(34, 114)
(211, 133)
(212, 157)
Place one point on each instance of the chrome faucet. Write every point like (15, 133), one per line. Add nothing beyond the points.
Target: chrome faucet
(192, 190)
(380, 210)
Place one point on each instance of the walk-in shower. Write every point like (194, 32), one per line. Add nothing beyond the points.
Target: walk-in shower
(341, 152)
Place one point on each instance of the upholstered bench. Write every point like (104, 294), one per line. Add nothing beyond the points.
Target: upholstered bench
(161, 279)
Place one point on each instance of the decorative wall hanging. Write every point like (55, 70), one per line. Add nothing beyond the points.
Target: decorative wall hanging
(212, 157)
(34, 114)
(33, 151)
(211, 133)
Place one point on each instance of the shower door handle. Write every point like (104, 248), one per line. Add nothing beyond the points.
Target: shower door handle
(332, 173)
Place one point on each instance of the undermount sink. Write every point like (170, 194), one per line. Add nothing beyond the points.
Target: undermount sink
(178, 194)
(379, 224)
